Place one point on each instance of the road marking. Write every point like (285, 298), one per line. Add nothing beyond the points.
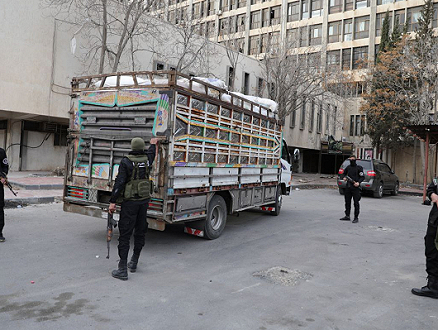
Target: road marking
(248, 287)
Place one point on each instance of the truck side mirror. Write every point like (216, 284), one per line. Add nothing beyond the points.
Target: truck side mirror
(296, 155)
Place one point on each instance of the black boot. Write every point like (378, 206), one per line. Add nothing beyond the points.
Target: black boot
(122, 272)
(430, 290)
(132, 265)
(346, 218)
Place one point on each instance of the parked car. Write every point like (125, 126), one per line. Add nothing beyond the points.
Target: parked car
(379, 177)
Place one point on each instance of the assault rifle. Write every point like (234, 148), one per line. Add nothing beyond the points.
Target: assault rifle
(349, 179)
(3, 175)
(111, 224)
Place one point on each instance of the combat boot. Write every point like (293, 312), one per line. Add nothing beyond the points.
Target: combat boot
(122, 272)
(132, 265)
(346, 218)
(430, 290)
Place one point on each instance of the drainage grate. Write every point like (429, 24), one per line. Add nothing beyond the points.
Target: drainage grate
(283, 276)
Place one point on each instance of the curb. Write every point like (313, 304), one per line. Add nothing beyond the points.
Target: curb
(37, 186)
(13, 203)
(330, 186)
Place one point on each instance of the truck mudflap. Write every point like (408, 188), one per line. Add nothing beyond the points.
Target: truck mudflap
(195, 232)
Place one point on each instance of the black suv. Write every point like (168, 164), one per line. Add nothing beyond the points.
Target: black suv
(379, 177)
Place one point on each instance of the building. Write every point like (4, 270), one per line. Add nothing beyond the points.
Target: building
(342, 32)
(40, 55)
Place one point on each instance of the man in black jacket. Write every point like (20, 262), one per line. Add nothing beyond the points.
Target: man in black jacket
(132, 186)
(4, 167)
(431, 246)
(353, 175)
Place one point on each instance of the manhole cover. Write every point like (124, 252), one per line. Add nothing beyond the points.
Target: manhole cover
(283, 276)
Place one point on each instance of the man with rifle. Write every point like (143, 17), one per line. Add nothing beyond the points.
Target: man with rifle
(354, 175)
(4, 168)
(133, 188)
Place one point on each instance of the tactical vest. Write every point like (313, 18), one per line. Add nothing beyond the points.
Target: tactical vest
(136, 188)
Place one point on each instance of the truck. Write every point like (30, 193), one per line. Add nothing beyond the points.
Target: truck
(218, 152)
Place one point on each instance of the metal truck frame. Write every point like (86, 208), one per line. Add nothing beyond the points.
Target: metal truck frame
(218, 153)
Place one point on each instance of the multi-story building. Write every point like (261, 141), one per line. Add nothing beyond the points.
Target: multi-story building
(342, 32)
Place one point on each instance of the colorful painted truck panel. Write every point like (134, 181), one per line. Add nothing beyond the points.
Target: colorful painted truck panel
(218, 153)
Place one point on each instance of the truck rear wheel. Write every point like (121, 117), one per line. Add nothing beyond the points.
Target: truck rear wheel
(278, 202)
(216, 219)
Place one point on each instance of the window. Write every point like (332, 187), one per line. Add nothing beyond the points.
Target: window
(327, 119)
(266, 17)
(349, 5)
(255, 20)
(245, 89)
(335, 6)
(346, 59)
(333, 59)
(348, 30)
(211, 29)
(260, 84)
(315, 36)
(293, 11)
(304, 9)
(224, 5)
(230, 77)
(361, 27)
(241, 21)
(159, 65)
(384, 2)
(210, 7)
(242, 3)
(303, 115)
(357, 130)
(413, 15)
(334, 31)
(224, 27)
(351, 125)
(362, 4)
(360, 55)
(275, 15)
(293, 116)
(362, 125)
(319, 119)
(435, 16)
(379, 23)
(303, 36)
(60, 138)
(317, 9)
(254, 45)
(312, 116)
(335, 112)
(400, 16)
(293, 38)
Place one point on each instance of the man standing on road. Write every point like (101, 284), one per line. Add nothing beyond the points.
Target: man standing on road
(353, 175)
(133, 185)
(431, 244)
(4, 167)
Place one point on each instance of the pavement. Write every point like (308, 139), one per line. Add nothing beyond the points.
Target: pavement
(39, 187)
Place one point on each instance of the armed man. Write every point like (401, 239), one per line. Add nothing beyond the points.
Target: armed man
(133, 187)
(353, 175)
(431, 246)
(4, 168)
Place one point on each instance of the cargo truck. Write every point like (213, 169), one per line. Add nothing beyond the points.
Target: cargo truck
(218, 152)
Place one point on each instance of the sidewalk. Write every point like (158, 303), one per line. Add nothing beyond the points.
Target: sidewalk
(33, 187)
(317, 181)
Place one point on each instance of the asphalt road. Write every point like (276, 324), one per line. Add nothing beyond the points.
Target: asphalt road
(304, 269)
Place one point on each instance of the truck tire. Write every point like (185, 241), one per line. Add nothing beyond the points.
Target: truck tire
(278, 202)
(394, 192)
(216, 219)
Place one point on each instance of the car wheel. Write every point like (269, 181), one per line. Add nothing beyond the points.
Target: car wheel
(378, 193)
(396, 189)
(342, 191)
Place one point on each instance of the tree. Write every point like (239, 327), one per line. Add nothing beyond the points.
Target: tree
(385, 40)
(110, 26)
(292, 78)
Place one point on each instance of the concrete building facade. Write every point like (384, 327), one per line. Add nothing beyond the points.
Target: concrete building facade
(37, 65)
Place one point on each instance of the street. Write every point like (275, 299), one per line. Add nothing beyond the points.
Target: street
(304, 269)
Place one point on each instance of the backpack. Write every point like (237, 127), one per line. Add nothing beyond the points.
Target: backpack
(137, 188)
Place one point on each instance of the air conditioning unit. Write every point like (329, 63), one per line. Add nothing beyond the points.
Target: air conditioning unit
(49, 127)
